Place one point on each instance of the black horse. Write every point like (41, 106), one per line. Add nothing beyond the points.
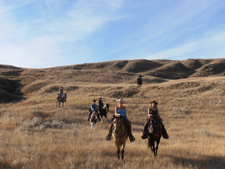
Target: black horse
(154, 135)
(104, 110)
(61, 99)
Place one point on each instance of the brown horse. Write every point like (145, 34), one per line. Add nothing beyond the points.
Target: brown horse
(120, 135)
(154, 135)
(61, 99)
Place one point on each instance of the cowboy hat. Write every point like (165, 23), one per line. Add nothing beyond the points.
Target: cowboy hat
(154, 102)
(120, 100)
(100, 97)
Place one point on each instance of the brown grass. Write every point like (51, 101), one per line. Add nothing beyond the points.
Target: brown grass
(192, 110)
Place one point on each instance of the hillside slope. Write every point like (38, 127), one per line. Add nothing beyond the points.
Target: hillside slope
(37, 134)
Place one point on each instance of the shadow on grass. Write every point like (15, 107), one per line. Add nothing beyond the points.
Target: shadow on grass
(207, 162)
(12, 73)
(7, 166)
(10, 90)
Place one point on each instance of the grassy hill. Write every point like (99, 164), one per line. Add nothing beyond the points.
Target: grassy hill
(37, 134)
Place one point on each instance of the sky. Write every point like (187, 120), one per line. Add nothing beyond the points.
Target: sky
(48, 33)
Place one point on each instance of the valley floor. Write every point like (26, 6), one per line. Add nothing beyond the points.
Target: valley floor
(37, 134)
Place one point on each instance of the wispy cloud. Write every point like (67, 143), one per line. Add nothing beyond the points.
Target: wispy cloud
(210, 47)
(43, 36)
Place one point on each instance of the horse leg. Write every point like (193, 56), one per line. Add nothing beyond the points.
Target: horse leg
(157, 146)
(94, 125)
(123, 150)
(150, 144)
(63, 104)
(122, 153)
(118, 154)
(155, 150)
(91, 125)
(118, 151)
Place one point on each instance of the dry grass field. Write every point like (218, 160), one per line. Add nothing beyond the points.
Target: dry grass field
(34, 133)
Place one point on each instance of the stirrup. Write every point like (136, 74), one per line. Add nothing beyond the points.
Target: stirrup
(144, 136)
(165, 136)
(132, 138)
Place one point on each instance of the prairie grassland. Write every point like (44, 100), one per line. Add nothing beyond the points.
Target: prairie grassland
(37, 134)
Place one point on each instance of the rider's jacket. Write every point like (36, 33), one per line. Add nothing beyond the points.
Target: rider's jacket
(121, 112)
(61, 91)
(154, 113)
(94, 107)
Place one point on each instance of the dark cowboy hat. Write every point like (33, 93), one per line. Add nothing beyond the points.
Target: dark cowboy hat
(154, 102)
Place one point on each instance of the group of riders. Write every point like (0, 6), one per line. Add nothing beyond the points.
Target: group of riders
(153, 112)
(120, 111)
(96, 108)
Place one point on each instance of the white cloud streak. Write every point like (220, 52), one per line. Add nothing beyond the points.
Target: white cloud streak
(38, 42)
(209, 47)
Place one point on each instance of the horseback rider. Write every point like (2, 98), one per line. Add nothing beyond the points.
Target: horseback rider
(100, 104)
(139, 80)
(120, 110)
(153, 112)
(60, 94)
(93, 109)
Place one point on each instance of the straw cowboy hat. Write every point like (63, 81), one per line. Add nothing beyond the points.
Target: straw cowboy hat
(100, 97)
(120, 100)
(154, 102)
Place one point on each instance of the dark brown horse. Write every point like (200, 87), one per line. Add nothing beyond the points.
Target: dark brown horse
(154, 135)
(139, 81)
(120, 135)
(103, 112)
(61, 99)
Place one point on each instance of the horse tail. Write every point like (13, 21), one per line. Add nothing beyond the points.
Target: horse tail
(65, 95)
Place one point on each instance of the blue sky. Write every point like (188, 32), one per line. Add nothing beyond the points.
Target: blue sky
(47, 33)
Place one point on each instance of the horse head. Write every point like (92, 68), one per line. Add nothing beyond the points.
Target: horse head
(156, 128)
(93, 117)
(106, 107)
(118, 125)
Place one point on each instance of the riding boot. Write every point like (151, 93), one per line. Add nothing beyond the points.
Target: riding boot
(145, 132)
(164, 132)
(128, 127)
(109, 136)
